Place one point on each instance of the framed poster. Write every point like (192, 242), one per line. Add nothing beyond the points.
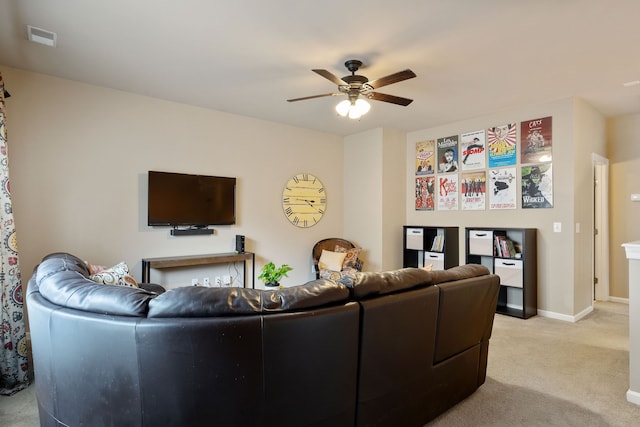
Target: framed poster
(425, 193)
(447, 154)
(502, 188)
(425, 157)
(537, 186)
(473, 150)
(473, 186)
(501, 141)
(536, 141)
(448, 192)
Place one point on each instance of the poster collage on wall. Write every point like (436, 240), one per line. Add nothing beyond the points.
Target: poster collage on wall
(479, 168)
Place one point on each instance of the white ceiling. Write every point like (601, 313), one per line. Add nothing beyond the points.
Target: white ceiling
(472, 57)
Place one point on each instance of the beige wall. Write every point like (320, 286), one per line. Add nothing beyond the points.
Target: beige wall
(589, 137)
(558, 283)
(623, 151)
(79, 155)
(374, 170)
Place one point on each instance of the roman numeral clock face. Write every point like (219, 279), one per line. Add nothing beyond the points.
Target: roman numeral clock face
(304, 200)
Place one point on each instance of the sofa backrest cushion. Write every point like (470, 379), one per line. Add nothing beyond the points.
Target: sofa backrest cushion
(63, 281)
(458, 272)
(198, 301)
(466, 311)
(369, 284)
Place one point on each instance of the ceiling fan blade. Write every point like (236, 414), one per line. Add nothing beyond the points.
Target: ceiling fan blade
(330, 76)
(313, 96)
(390, 98)
(392, 78)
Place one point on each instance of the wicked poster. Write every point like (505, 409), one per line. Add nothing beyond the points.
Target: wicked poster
(501, 141)
(502, 188)
(537, 186)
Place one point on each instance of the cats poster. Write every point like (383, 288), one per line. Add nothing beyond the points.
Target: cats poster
(536, 141)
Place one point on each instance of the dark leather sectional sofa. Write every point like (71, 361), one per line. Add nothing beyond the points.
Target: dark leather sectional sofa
(394, 348)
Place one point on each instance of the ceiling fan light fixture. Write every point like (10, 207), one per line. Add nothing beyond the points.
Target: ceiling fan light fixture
(354, 110)
(343, 107)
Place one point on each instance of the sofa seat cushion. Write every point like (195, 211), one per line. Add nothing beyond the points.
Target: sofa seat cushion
(198, 301)
(368, 284)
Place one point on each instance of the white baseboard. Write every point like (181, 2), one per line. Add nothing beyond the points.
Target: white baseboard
(618, 299)
(565, 317)
(633, 397)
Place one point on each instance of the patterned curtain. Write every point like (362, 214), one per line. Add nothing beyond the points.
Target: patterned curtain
(13, 338)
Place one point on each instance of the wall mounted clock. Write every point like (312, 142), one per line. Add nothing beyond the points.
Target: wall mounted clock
(304, 200)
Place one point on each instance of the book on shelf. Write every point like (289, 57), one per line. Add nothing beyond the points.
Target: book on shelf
(438, 243)
(504, 247)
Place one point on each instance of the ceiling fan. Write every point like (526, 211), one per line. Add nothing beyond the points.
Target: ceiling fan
(355, 86)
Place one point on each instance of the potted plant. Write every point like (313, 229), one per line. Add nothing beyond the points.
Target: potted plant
(271, 275)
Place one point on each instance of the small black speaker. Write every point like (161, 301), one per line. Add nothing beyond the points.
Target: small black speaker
(239, 243)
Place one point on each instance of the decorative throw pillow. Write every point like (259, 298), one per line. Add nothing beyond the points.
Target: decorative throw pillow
(346, 276)
(331, 260)
(94, 269)
(351, 258)
(116, 275)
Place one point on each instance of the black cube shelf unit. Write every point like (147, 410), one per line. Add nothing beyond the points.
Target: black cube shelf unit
(424, 245)
(512, 254)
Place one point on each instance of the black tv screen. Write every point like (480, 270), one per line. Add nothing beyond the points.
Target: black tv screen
(178, 199)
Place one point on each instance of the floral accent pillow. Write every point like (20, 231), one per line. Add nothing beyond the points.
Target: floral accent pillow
(351, 257)
(116, 275)
(346, 276)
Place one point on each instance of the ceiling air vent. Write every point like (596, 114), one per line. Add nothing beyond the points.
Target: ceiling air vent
(38, 35)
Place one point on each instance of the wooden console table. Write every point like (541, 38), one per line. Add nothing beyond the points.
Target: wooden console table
(187, 260)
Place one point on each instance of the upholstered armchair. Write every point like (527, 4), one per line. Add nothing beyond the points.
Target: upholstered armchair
(340, 256)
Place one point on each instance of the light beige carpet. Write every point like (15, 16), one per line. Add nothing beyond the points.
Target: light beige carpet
(541, 372)
(545, 372)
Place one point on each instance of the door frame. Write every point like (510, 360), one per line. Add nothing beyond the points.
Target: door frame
(600, 241)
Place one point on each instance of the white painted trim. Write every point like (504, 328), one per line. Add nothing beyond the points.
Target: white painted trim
(632, 249)
(565, 317)
(619, 299)
(633, 397)
(600, 220)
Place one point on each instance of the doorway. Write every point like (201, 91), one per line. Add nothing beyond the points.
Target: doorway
(600, 247)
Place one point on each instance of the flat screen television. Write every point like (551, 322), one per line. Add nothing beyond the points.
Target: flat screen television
(178, 199)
